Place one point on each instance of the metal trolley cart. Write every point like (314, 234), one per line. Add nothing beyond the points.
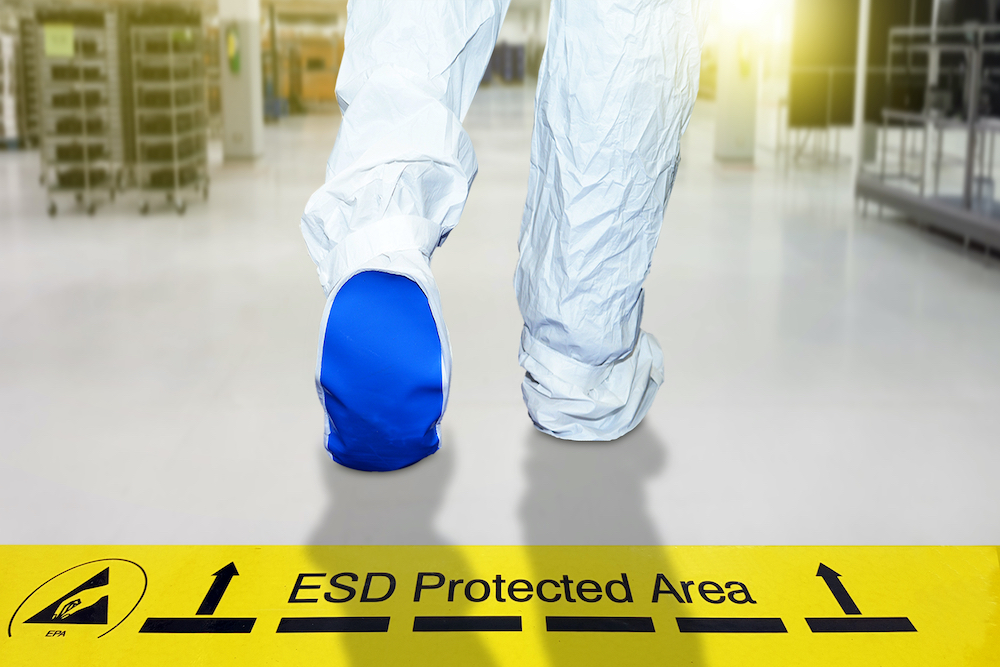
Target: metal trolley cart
(168, 75)
(79, 105)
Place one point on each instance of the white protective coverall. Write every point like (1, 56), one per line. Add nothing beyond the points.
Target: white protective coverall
(617, 84)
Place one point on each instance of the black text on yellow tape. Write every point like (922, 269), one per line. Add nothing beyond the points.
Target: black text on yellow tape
(501, 605)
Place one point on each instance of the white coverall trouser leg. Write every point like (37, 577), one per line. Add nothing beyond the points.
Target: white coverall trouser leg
(399, 173)
(615, 92)
(617, 84)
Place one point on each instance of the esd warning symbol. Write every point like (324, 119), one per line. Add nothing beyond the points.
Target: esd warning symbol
(90, 599)
(84, 605)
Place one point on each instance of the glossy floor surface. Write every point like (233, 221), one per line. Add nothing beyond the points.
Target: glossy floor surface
(831, 378)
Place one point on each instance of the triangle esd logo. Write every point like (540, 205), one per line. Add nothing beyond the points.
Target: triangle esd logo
(90, 599)
(84, 605)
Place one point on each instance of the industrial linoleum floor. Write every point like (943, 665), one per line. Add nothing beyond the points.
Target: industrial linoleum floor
(831, 379)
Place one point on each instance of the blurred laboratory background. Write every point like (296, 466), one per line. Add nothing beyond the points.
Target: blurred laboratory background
(826, 288)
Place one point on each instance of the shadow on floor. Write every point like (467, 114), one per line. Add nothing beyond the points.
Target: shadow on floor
(594, 493)
(578, 494)
(394, 508)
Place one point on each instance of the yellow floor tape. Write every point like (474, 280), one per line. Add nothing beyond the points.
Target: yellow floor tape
(481, 605)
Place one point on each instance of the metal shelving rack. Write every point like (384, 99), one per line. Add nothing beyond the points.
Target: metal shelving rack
(9, 130)
(28, 113)
(170, 118)
(907, 175)
(80, 118)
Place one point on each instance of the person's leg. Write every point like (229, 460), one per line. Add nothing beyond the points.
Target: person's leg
(396, 184)
(617, 84)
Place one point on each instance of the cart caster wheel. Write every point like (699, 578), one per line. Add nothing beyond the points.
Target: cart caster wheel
(53, 209)
(181, 207)
(111, 196)
(79, 197)
(204, 193)
(91, 209)
(170, 197)
(144, 208)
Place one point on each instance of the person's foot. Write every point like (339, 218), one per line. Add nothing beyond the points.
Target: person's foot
(570, 400)
(381, 374)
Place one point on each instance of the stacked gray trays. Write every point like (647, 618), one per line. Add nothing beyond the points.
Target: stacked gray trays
(80, 114)
(168, 77)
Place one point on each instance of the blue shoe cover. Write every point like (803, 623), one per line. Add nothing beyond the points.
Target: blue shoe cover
(380, 373)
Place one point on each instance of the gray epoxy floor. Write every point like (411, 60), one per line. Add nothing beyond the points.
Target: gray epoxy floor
(831, 379)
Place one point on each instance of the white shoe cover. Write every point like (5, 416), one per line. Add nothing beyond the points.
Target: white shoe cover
(576, 402)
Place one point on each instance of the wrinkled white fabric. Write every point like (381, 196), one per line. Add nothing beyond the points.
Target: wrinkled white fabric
(409, 73)
(617, 84)
(614, 95)
(401, 168)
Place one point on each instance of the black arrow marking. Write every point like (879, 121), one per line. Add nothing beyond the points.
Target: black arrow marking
(832, 580)
(217, 590)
